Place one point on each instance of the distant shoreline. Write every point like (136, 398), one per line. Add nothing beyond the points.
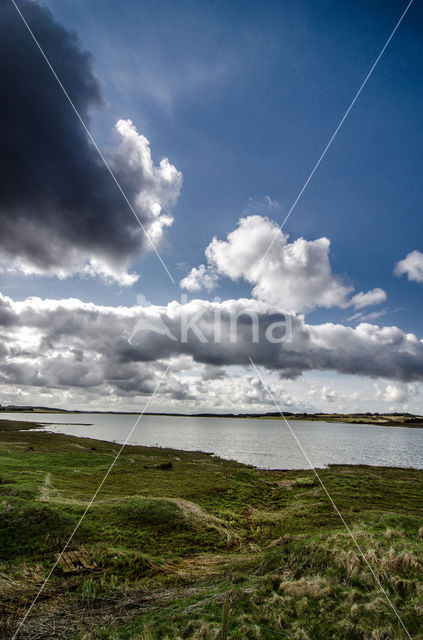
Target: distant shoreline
(380, 419)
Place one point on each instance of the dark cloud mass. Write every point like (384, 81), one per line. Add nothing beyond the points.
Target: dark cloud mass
(122, 350)
(59, 207)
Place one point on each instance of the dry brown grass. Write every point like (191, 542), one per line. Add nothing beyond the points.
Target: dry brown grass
(315, 587)
(201, 518)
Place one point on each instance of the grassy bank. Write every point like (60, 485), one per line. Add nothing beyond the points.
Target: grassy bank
(172, 534)
(380, 419)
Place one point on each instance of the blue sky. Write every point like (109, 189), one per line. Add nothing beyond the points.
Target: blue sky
(242, 97)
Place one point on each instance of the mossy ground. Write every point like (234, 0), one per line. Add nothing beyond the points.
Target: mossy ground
(170, 544)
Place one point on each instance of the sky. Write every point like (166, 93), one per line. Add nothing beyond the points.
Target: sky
(210, 117)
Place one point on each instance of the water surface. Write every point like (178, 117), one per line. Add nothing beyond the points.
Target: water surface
(259, 442)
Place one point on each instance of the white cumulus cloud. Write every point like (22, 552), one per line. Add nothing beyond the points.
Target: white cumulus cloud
(199, 278)
(395, 392)
(294, 276)
(411, 266)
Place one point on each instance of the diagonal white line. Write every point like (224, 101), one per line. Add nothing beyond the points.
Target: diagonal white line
(294, 204)
(78, 524)
(93, 141)
(341, 517)
(335, 133)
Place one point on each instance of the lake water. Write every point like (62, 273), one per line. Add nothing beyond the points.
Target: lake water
(259, 442)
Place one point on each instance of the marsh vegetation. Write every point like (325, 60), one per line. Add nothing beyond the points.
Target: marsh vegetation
(173, 533)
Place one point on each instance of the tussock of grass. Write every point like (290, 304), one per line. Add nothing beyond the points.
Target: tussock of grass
(307, 481)
(141, 511)
(29, 530)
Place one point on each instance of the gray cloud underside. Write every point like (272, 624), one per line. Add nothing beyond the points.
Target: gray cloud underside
(59, 207)
(68, 343)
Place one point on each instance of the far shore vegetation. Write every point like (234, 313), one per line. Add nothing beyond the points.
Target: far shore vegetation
(383, 419)
(172, 535)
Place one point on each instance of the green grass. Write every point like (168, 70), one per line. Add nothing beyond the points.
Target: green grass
(12, 425)
(170, 543)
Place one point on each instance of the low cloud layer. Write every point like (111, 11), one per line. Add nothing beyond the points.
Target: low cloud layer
(60, 211)
(294, 276)
(121, 351)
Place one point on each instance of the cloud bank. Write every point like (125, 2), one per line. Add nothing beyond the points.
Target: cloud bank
(70, 344)
(60, 211)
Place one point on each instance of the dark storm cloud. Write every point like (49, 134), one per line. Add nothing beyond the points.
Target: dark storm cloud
(59, 207)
